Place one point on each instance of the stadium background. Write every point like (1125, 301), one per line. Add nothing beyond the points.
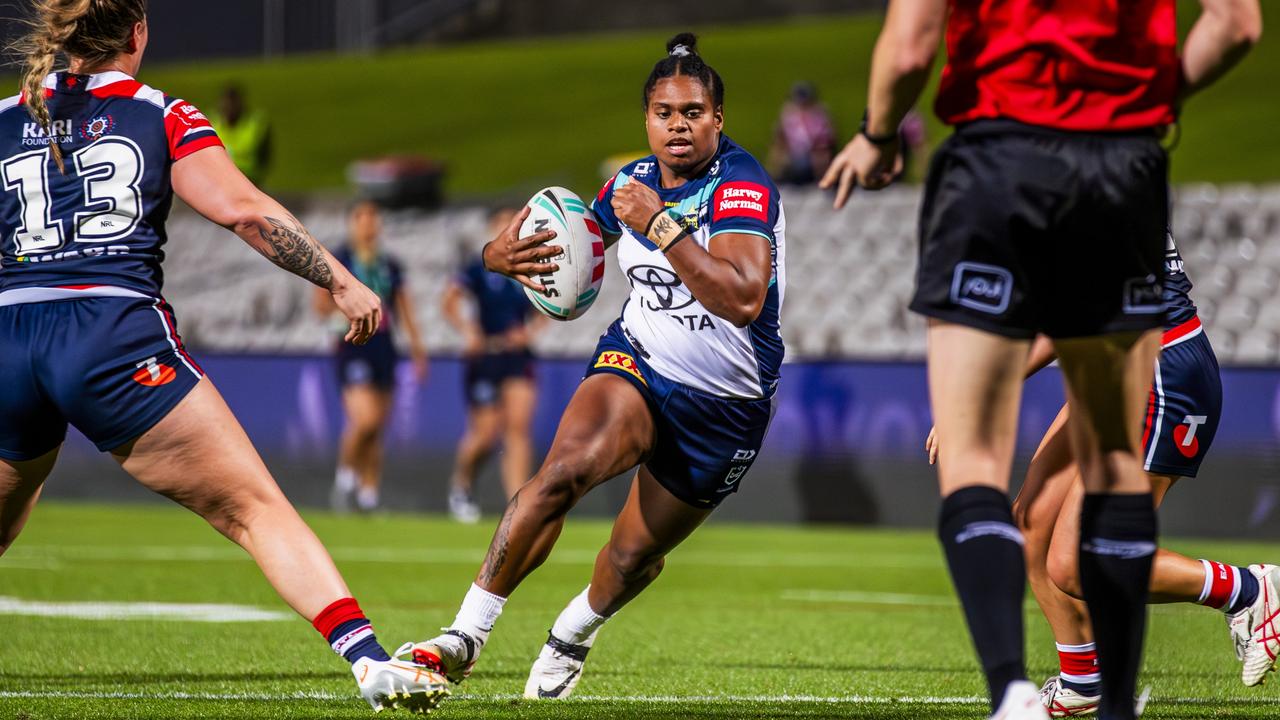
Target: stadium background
(136, 609)
(479, 88)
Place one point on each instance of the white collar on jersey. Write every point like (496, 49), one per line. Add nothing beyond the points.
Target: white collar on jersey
(96, 80)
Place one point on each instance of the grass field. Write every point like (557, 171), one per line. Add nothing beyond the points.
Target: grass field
(510, 117)
(747, 622)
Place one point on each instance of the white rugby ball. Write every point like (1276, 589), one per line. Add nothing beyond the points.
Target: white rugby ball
(572, 288)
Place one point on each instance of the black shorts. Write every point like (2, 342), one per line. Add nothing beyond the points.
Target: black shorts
(1028, 230)
(373, 363)
(486, 373)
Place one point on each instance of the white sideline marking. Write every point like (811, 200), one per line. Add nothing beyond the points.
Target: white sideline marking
(186, 612)
(868, 598)
(654, 699)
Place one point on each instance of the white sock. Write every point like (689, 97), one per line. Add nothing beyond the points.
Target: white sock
(480, 610)
(367, 498)
(344, 479)
(578, 623)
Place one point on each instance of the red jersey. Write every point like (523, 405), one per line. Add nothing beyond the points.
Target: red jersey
(1090, 65)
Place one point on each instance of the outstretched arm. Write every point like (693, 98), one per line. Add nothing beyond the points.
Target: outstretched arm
(1223, 34)
(211, 184)
(900, 66)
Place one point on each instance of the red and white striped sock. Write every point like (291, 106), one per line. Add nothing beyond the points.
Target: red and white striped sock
(1221, 585)
(1078, 665)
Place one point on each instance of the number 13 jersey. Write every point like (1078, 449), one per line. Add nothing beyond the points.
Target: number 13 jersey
(676, 334)
(97, 228)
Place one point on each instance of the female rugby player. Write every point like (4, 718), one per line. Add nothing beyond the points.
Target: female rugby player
(498, 381)
(681, 385)
(1055, 161)
(1182, 420)
(90, 160)
(366, 372)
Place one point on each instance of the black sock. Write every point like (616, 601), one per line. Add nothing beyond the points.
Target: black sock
(984, 553)
(1117, 545)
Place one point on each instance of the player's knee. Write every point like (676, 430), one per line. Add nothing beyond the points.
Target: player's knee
(635, 563)
(563, 481)
(1063, 571)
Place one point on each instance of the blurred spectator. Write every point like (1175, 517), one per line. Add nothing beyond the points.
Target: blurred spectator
(499, 379)
(246, 133)
(805, 140)
(367, 372)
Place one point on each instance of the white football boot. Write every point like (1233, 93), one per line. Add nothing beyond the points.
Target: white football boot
(463, 508)
(1256, 629)
(452, 654)
(557, 670)
(1064, 702)
(399, 684)
(1021, 702)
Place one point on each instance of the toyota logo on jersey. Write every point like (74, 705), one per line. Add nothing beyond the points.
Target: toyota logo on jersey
(660, 287)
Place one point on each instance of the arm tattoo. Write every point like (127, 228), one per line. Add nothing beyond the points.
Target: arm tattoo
(289, 245)
(497, 555)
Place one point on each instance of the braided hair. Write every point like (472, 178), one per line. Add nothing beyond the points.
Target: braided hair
(93, 31)
(683, 59)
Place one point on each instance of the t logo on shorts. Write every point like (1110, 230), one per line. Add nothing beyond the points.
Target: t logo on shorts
(152, 373)
(1184, 435)
(985, 288)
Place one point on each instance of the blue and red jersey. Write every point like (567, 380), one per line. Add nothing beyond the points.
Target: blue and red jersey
(500, 302)
(99, 227)
(1084, 65)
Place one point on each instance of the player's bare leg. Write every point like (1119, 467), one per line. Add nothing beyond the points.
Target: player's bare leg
(483, 425)
(975, 385)
(606, 430)
(360, 448)
(1109, 380)
(651, 524)
(518, 398)
(20, 484)
(199, 456)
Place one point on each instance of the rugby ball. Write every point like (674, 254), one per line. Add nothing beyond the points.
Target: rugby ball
(572, 288)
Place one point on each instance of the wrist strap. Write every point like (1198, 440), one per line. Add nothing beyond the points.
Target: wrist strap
(885, 139)
(665, 230)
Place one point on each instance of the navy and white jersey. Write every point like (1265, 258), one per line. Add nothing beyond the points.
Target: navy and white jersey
(97, 229)
(1179, 307)
(676, 335)
(500, 301)
(382, 274)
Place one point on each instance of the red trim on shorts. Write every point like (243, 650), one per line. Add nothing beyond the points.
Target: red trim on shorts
(1186, 329)
(167, 313)
(1151, 416)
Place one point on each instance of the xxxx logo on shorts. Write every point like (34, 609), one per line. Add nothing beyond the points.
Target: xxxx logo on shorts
(154, 374)
(620, 361)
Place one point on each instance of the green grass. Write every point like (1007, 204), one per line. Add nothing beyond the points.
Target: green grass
(510, 117)
(743, 616)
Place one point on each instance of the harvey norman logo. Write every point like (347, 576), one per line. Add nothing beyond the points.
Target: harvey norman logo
(742, 199)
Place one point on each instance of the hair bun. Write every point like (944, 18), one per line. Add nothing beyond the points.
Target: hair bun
(685, 43)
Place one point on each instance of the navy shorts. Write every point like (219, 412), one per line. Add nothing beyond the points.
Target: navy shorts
(486, 373)
(1186, 403)
(373, 363)
(705, 443)
(113, 367)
